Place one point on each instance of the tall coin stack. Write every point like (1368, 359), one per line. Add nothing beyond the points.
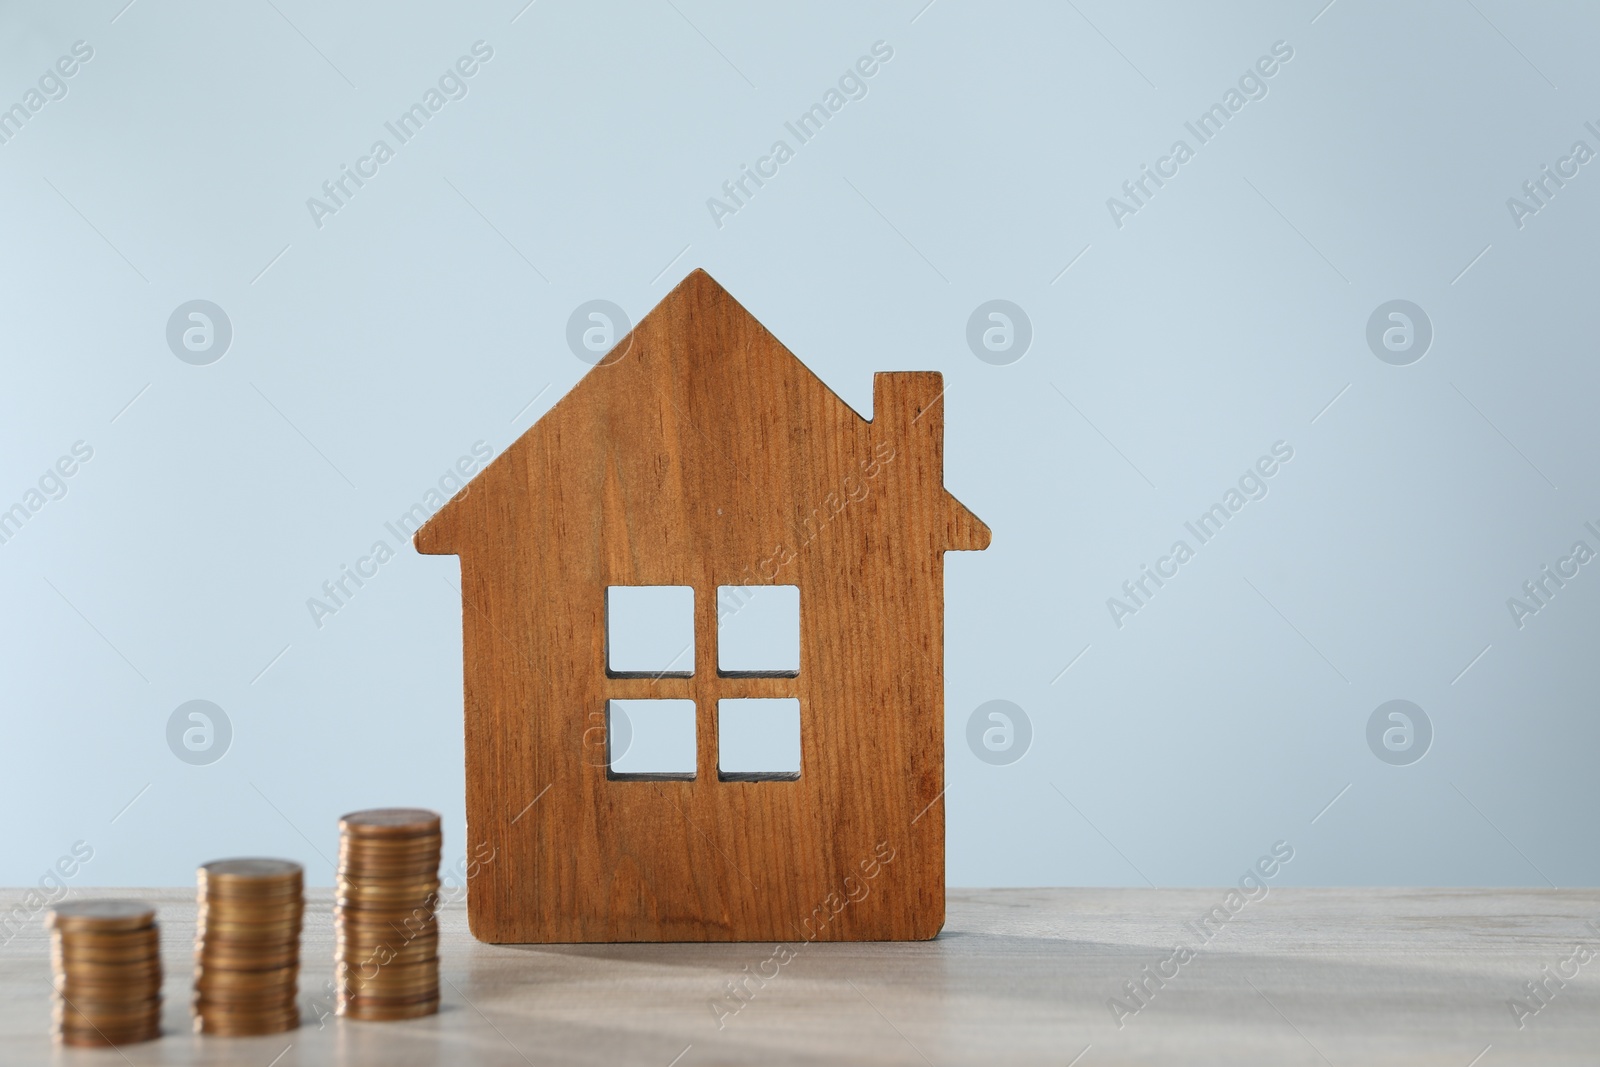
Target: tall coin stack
(107, 960)
(247, 946)
(386, 956)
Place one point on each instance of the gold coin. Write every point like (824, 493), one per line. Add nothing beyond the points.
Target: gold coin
(361, 841)
(386, 933)
(119, 1034)
(130, 1021)
(252, 912)
(355, 925)
(391, 864)
(89, 1000)
(386, 1001)
(377, 915)
(247, 935)
(390, 822)
(245, 893)
(420, 947)
(119, 992)
(395, 937)
(361, 858)
(282, 929)
(259, 1001)
(231, 917)
(371, 910)
(217, 978)
(62, 962)
(277, 978)
(107, 1016)
(74, 957)
(254, 951)
(252, 955)
(207, 970)
(228, 920)
(222, 930)
(93, 999)
(390, 849)
(367, 962)
(417, 872)
(381, 936)
(101, 916)
(233, 878)
(403, 927)
(100, 969)
(394, 933)
(115, 1031)
(395, 979)
(109, 1039)
(240, 891)
(101, 1039)
(247, 1030)
(349, 944)
(87, 964)
(384, 851)
(246, 999)
(251, 871)
(388, 978)
(385, 1012)
(376, 989)
(248, 964)
(80, 965)
(244, 1025)
(388, 874)
(394, 951)
(413, 871)
(418, 883)
(288, 898)
(360, 867)
(417, 895)
(148, 935)
(241, 1012)
(363, 899)
(372, 967)
(252, 904)
(359, 898)
(410, 883)
(237, 1011)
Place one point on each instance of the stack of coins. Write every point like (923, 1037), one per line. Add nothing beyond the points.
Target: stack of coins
(247, 946)
(107, 960)
(387, 950)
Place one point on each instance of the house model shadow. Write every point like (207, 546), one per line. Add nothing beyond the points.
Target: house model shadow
(703, 454)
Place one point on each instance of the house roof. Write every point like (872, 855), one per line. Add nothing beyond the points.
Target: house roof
(699, 328)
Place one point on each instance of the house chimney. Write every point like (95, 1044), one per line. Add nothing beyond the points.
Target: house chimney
(908, 412)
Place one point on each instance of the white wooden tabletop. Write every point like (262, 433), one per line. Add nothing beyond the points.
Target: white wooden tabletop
(1028, 976)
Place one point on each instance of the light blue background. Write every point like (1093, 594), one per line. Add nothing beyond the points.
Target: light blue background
(430, 313)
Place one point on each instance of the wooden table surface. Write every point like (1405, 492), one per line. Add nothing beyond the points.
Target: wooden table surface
(1305, 976)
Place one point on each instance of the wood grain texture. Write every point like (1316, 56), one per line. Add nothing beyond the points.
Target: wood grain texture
(1362, 978)
(703, 453)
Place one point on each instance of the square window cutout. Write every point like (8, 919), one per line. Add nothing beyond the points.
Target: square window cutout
(650, 629)
(650, 738)
(758, 629)
(758, 739)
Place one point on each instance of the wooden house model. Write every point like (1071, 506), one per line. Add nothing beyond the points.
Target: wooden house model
(704, 456)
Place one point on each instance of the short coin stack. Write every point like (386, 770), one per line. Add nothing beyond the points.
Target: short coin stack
(386, 956)
(247, 946)
(107, 961)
